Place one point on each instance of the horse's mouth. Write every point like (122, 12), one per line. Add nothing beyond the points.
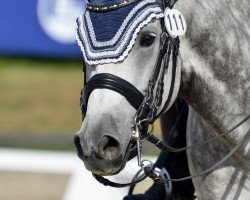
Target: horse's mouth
(108, 167)
(104, 168)
(117, 165)
(126, 157)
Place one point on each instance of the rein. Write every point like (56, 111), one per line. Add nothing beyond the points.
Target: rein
(166, 148)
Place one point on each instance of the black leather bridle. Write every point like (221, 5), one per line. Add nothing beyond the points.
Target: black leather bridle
(148, 104)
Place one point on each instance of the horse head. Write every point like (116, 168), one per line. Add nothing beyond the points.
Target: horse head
(129, 52)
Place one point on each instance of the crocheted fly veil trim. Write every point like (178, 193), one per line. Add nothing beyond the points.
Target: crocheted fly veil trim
(106, 37)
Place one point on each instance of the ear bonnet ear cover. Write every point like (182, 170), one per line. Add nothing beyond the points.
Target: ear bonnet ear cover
(106, 37)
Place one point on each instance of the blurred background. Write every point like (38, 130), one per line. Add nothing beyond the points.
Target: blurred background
(40, 80)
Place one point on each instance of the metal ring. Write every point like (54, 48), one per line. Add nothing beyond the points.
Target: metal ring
(136, 120)
(151, 164)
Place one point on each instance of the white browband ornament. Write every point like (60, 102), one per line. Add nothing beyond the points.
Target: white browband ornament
(175, 23)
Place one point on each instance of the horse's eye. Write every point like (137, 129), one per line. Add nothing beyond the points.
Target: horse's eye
(147, 39)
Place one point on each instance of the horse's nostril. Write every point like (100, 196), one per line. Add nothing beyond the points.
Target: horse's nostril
(109, 148)
(78, 146)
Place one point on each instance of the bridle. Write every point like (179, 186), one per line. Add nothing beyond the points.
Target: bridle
(148, 104)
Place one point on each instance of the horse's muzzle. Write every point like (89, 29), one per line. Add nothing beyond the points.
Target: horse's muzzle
(106, 159)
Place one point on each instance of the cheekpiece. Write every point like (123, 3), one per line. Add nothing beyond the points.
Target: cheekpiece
(108, 29)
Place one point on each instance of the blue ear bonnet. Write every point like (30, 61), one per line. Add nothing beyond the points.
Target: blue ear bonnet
(106, 37)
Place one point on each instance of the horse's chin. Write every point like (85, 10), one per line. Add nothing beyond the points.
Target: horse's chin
(109, 171)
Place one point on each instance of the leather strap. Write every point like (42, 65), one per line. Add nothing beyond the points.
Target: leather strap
(155, 177)
(165, 147)
(107, 182)
(174, 63)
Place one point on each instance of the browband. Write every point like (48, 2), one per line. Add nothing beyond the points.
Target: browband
(123, 3)
(111, 7)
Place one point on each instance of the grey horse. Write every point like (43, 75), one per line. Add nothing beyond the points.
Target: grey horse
(212, 77)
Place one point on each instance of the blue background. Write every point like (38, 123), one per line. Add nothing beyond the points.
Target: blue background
(21, 33)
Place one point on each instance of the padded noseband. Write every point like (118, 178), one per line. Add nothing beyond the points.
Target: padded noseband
(111, 82)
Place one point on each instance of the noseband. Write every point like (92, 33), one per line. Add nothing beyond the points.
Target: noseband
(114, 83)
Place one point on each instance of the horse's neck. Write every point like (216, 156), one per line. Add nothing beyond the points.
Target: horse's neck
(215, 82)
(215, 62)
